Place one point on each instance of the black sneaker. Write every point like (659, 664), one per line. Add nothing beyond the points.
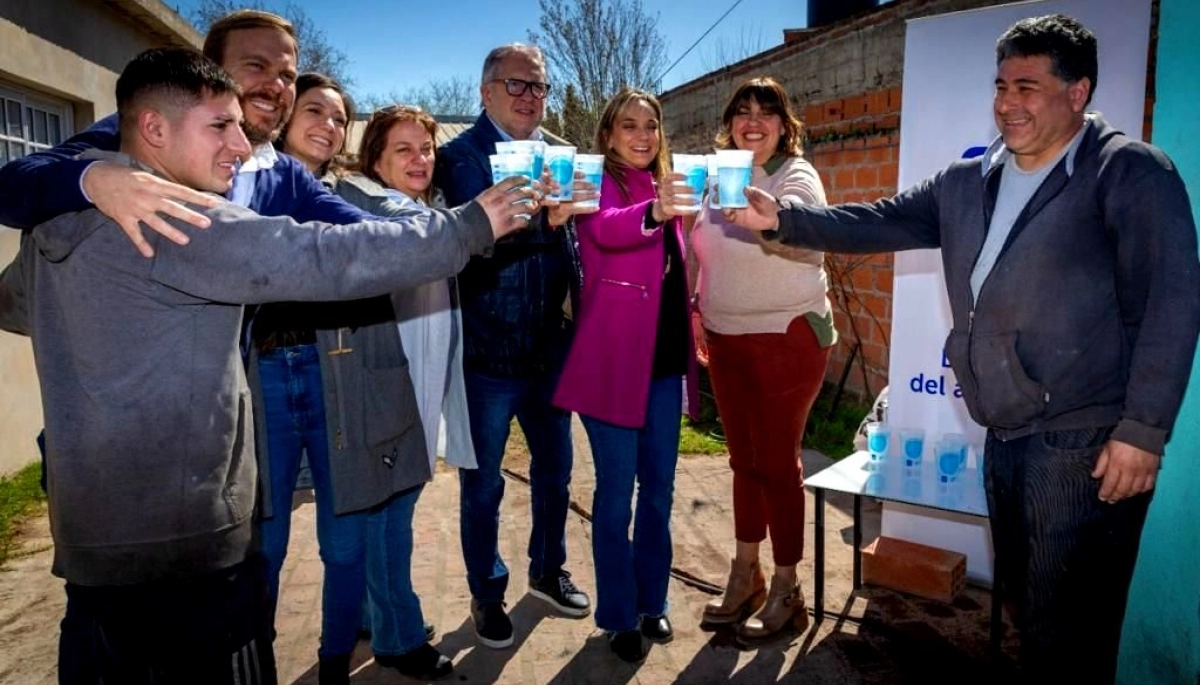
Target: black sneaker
(334, 670)
(627, 645)
(557, 590)
(657, 629)
(422, 663)
(492, 625)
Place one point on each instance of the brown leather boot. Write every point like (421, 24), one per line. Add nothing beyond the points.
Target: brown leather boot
(783, 611)
(745, 592)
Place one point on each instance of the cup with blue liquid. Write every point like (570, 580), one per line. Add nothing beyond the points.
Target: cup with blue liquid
(951, 456)
(535, 148)
(560, 159)
(912, 446)
(512, 164)
(733, 175)
(592, 168)
(879, 437)
(695, 171)
(711, 189)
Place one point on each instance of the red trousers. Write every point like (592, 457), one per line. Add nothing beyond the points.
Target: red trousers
(765, 385)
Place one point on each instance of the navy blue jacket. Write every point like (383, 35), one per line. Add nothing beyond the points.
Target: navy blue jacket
(41, 186)
(512, 301)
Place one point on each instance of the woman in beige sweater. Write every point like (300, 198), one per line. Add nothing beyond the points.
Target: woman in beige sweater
(769, 329)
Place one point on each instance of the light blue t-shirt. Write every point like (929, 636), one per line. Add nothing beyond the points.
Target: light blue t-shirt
(1017, 186)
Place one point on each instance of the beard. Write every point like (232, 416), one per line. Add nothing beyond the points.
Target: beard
(256, 133)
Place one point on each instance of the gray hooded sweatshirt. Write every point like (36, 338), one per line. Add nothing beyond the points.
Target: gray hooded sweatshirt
(150, 444)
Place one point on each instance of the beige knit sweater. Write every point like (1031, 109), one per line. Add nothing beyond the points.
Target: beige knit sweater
(746, 285)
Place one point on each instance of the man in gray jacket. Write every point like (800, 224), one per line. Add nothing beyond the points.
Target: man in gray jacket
(1071, 267)
(151, 460)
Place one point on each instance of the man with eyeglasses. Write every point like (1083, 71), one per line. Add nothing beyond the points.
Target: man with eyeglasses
(515, 339)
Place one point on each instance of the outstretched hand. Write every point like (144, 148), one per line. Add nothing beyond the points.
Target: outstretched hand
(131, 198)
(510, 205)
(583, 192)
(761, 215)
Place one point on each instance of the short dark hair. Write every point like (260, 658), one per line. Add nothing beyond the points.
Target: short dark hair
(178, 78)
(241, 20)
(1070, 46)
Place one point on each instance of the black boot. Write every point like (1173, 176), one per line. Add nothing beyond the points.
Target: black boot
(334, 670)
(422, 663)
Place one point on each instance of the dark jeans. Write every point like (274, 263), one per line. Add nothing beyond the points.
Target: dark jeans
(633, 572)
(212, 629)
(1063, 557)
(492, 403)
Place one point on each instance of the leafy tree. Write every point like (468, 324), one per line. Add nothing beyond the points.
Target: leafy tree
(596, 47)
(316, 52)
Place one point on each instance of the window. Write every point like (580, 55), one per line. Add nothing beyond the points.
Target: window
(29, 123)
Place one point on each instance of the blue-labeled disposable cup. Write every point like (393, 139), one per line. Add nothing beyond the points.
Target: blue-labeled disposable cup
(733, 175)
(695, 172)
(951, 456)
(912, 445)
(592, 168)
(878, 437)
(535, 148)
(512, 164)
(560, 159)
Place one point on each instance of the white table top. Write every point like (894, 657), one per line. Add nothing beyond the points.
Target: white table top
(892, 481)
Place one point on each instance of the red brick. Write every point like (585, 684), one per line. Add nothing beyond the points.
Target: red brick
(889, 176)
(915, 569)
(854, 107)
(878, 307)
(877, 102)
(879, 154)
(889, 122)
(843, 179)
(894, 100)
(813, 115)
(833, 111)
(866, 177)
(863, 278)
(853, 157)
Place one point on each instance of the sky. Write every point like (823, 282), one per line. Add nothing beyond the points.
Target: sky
(395, 45)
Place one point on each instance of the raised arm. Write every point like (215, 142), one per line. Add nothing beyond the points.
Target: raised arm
(40, 186)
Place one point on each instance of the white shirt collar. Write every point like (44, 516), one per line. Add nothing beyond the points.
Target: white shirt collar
(263, 157)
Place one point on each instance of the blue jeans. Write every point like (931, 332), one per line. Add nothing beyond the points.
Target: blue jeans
(492, 402)
(294, 407)
(631, 578)
(397, 624)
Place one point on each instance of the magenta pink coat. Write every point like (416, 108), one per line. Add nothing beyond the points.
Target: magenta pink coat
(608, 369)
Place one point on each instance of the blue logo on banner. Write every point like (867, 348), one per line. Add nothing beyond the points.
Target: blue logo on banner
(973, 152)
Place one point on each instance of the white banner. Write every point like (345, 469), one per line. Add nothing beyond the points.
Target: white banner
(949, 73)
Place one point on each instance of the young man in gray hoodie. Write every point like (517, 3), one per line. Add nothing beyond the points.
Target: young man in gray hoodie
(152, 480)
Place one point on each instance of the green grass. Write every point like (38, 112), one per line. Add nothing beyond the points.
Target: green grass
(20, 495)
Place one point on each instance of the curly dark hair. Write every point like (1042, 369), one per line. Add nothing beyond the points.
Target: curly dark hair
(1070, 46)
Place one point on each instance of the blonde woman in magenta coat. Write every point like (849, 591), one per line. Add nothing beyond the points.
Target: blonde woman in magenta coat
(623, 375)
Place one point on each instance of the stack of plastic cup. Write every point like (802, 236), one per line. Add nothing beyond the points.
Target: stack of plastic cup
(536, 148)
(713, 200)
(592, 168)
(695, 169)
(878, 437)
(560, 159)
(733, 175)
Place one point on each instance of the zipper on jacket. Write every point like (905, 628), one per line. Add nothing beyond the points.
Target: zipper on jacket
(627, 284)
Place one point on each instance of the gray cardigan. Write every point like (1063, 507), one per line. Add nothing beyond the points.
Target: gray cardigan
(376, 440)
(147, 411)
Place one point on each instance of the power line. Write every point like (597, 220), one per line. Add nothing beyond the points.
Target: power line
(702, 36)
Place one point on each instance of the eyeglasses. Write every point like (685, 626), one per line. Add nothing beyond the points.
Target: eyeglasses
(516, 87)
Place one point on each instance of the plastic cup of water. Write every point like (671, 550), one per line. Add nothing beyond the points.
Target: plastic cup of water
(560, 159)
(912, 445)
(695, 170)
(513, 164)
(592, 168)
(536, 148)
(878, 437)
(733, 175)
(951, 456)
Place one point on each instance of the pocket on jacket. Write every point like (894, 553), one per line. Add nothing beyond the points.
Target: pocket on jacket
(241, 478)
(1008, 398)
(389, 407)
(997, 390)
